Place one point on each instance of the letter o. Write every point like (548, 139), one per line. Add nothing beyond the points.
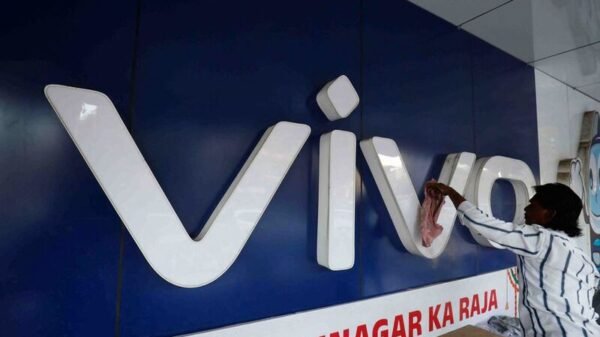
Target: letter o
(485, 173)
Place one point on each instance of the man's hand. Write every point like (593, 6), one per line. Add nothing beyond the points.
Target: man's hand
(443, 189)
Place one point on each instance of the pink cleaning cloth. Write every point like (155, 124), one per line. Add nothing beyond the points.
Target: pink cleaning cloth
(432, 206)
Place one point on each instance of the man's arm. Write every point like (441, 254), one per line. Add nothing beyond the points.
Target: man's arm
(520, 239)
(456, 198)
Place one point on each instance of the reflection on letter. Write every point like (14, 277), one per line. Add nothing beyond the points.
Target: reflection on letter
(119, 167)
(396, 188)
(337, 169)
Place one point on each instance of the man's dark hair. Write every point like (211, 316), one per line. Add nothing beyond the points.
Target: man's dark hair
(567, 205)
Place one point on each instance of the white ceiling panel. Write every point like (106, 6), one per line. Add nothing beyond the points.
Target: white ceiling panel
(552, 103)
(508, 28)
(458, 11)
(592, 90)
(579, 67)
(535, 29)
(559, 37)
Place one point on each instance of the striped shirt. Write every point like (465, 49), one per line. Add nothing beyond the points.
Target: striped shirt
(557, 280)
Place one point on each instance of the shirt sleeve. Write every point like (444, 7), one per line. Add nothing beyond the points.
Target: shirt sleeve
(523, 240)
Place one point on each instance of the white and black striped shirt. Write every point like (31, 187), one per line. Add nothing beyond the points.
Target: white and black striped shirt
(557, 280)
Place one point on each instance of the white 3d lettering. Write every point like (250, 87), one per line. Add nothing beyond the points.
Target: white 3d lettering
(392, 179)
(120, 169)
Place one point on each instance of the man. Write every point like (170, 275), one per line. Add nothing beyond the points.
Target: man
(557, 279)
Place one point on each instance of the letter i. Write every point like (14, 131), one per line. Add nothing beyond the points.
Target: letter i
(337, 169)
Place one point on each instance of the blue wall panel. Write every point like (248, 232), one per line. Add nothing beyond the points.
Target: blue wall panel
(505, 124)
(210, 77)
(59, 236)
(211, 81)
(417, 91)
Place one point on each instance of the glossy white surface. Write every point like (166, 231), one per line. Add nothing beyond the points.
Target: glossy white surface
(592, 90)
(393, 181)
(577, 172)
(579, 68)
(535, 29)
(508, 28)
(458, 11)
(485, 173)
(570, 173)
(337, 176)
(338, 98)
(560, 111)
(119, 167)
(553, 119)
(575, 180)
(559, 37)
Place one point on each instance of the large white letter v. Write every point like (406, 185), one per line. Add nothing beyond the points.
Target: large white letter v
(396, 188)
(100, 135)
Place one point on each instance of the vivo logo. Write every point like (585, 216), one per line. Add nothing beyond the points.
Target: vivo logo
(95, 126)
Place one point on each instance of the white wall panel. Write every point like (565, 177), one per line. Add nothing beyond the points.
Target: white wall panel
(560, 111)
(592, 90)
(552, 109)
